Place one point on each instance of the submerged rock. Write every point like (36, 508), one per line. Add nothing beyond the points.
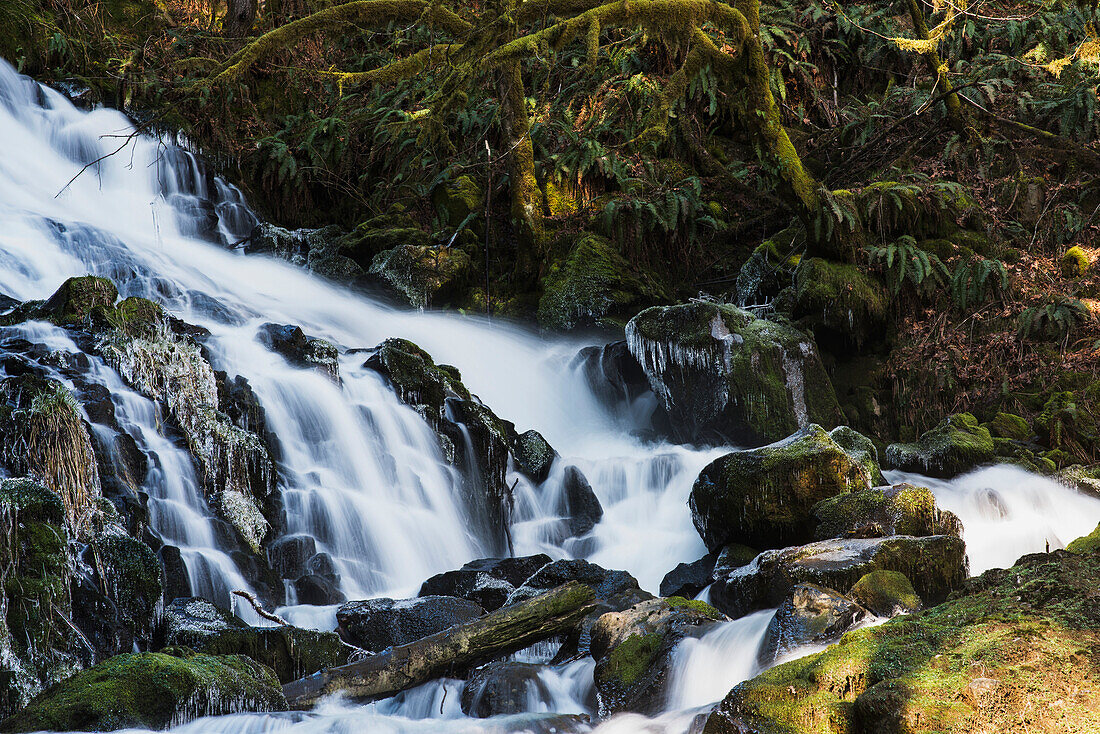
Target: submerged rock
(764, 497)
(903, 509)
(422, 275)
(958, 444)
(725, 376)
(487, 581)
(151, 690)
(375, 624)
(936, 564)
(810, 614)
(301, 350)
(582, 508)
(503, 688)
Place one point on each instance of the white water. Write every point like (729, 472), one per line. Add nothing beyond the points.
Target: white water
(363, 473)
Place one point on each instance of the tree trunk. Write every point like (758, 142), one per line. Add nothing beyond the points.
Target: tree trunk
(239, 17)
(957, 116)
(452, 651)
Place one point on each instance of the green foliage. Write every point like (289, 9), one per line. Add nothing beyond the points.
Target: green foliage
(637, 216)
(973, 283)
(904, 262)
(1055, 320)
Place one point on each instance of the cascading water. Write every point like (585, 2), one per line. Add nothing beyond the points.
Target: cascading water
(362, 474)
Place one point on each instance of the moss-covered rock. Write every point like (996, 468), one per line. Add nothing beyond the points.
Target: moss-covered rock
(764, 497)
(1007, 425)
(594, 286)
(810, 614)
(839, 302)
(633, 650)
(956, 445)
(1075, 262)
(903, 509)
(886, 593)
(1015, 645)
(724, 376)
(302, 350)
(151, 690)
(936, 564)
(130, 576)
(533, 455)
(77, 298)
(458, 199)
(1086, 544)
(764, 274)
(422, 275)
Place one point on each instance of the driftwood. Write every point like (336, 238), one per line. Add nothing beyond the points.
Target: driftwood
(450, 652)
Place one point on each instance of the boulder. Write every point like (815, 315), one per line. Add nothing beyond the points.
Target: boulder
(376, 624)
(458, 199)
(290, 652)
(504, 688)
(612, 373)
(582, 508)
(301, 350)
(936, 564)
(151, 690)
(688, 579)
(594, 285)
(1087, 543)
(609, 586)
(886, 594)
(810, 614)
(633, 650)
(319, 590)
(956, 445)
(533, 455)
(725, 376)
(764, 497)
(902, 509)
(841, 303)
(77, 298)
(422, 275)
(487, 581)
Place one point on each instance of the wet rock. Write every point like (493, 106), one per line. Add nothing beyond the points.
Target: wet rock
(607, 585)
(725, 376)
(318, 590)
(612, 373)
(936, 564)
(77, 298)
(810, 614)
(288, 555)
(688, 579)
(503, 688)
(375, 624)
(301, 350)
(422, 275)
(290, 652)
(322, 251)
(903, 509)
(764, 497)
(487, 581)
(886, 594)
(841, 303)
(151, 690)
(956, 445)
(582, 508)
(177, 582)
(633, 650)
(595, 286)
(533, 455)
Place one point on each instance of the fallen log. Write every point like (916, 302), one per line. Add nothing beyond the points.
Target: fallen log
(450, 652)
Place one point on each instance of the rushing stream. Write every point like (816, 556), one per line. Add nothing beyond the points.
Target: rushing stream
(363, 474)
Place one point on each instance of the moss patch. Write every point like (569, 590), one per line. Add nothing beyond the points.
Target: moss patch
(956, 445)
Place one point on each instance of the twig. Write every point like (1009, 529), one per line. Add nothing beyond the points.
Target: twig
(251, 599)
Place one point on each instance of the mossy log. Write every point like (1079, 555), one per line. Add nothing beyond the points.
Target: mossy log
(451, 651)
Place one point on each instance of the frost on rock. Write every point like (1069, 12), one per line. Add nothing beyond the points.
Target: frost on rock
(723, 375)
(232, 461)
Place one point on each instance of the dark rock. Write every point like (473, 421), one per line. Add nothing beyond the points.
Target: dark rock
(301, 350)
(902, 509)
(318, 591)
(288, 555)
(422, 275)
(810, 614)
(177, 583)
(487, 581)
(612, 373)
(606, 584)
(688, 579)
(956, 445)
(582, 508)
(533, 455)
(376, 624)
(503, 688)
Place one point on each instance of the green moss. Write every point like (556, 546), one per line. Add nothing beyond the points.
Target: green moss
(1006, 425)
(423, 275)
(77, 298)
(841, 298)
(956, 445)
(903, 509)
(135, 316)
(631, 659)
(696, 605)
(131, 574)
(886, 593)
(1075, 262)
(1087, 543)
(458, 199)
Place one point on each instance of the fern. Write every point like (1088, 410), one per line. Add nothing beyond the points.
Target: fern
(1055, 320)
(904, 262)
(973, 283)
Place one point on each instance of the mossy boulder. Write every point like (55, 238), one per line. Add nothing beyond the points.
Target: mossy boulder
(1014, 645)
(422, 275)
(764, 497)
(1007, 425)
(1087, 543)
(956, 445)
(841, 303)
(724, 376)
(594, 285)
(886, 593)
(903, 509)
(77, 298)
(302, 350)
(533, 455)
(936, 564)
(810, 614)
(129, 574)
(458, 199)
(151, 690)
(291, 652)
(1075, 262)
(633, 650)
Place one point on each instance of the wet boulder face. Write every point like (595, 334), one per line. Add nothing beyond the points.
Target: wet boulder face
(533, 455)
(886, 594)
(936, 564)
(612, 373)
(633, 650)
(302, 350)
(422, 275)
(290, 652)
(504, 688)
(609, 586)
(594, 285)
(810, 614)
(151, 690)
(487, 581)
(375, 624)
(322, 251)
(842, 303)
(903, 509)
(958, 444)
(764, 497)
(725, 376)
(77, 298)
(582, 508)
(688, 579)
